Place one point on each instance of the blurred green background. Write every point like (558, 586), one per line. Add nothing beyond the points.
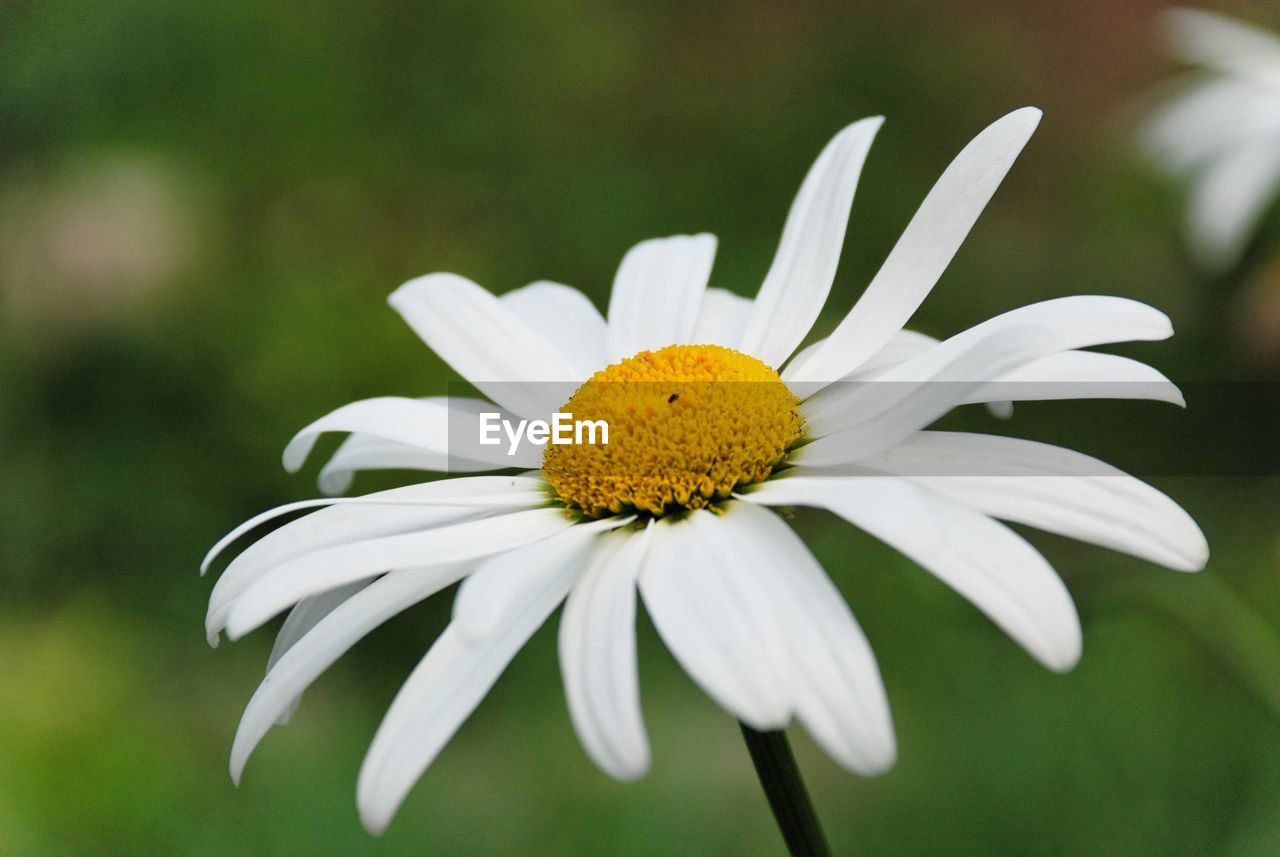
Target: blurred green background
(202, 209)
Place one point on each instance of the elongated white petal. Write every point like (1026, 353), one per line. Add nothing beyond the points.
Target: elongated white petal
(304, 616)
(986, 562)
(1079, 375)
(1206, 118)
(722, 319)
(839, 696)
(598, 655)
(442, 692)
(498, 581)
(567, 319)
(925, 249)
(339, 525)
(328, 639)
(1206, 38)
(703, 588)
(799, 280)
(1228, 198)
(324, 569)
(1054, 489)
(421, 422)
(486, 343)
(854, 421)
(476, 492)
(902, 346)
(445, 429)
(369, 452)
(658, 291)
(1080, 321)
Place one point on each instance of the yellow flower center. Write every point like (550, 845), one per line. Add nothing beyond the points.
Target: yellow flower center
(688, 425)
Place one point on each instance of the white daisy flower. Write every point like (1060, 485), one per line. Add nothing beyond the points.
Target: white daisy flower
(1219, 130)
(681, 507)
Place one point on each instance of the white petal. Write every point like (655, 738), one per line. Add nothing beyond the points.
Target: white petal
(598, 656)
(370, 452)
(1079, 321)
(799, 280)
(305, 615)
(442, 692)
(658, 291)
(471, 493)
(986, 562)
(1205, 38)
(722, 319)
(486, 343)
(341, 524)
(442, 426)
(567, 319)
(1054, 489)
(324, 569)
(856, 420)
(1080, 375)
(840, 697)
(498, 581)
(1229, 197)
(1206, 118)
(329, 639)
(925, 249)
(702, 585)
(901, 347)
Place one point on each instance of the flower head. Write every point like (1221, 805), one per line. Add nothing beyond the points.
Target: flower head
(708, 437)
(1219, 131)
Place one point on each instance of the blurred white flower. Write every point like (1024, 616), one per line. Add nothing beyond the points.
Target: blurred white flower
(686, 516)
(1219, 130)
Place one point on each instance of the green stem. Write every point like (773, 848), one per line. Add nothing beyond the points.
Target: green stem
(785, 791)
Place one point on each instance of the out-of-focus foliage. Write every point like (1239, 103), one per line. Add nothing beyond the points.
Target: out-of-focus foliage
(202, 208)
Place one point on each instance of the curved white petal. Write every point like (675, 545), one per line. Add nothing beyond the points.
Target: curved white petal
(839, 696)
(497, 582)
(855, 420)
(986, 562)
(1079, 321)
(567, 319)
(722, 319)
(657, 293)
(340, 524)
(486, 343)
(318, 570)
(463, 494)
(304, 616)
(1207, 118)
(370, 452)
(1079, 375)
(901, 347)
(704, 588)
(799, 280)
(598, 655)
(1229, 197)
(1051, 488)
(925, 249)
(443, 690)
(444, 428)
(328, 639)
(1206, 38)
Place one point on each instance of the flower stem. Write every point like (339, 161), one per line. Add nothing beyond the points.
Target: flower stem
(785, 791)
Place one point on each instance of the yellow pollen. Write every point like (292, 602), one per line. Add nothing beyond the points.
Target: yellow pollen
(688, 424)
